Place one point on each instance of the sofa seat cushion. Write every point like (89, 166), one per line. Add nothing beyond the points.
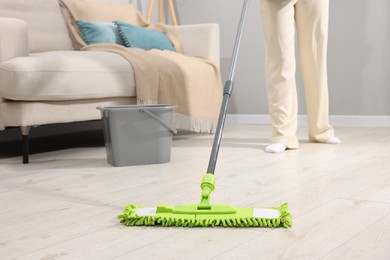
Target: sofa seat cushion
(67, 75)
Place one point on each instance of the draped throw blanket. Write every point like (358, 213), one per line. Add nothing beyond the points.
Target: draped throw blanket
(192, 84)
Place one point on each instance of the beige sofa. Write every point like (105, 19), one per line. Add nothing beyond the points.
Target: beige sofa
(44, 80)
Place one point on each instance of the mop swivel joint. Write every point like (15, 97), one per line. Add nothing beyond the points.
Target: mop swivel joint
(207, 186)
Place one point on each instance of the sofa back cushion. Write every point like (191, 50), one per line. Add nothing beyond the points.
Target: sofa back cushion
(47, 29)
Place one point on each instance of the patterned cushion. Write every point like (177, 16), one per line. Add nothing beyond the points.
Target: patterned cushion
(99, 32)
(138, 37)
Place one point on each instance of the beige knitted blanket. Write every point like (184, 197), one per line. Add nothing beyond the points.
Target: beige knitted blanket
(193, 84)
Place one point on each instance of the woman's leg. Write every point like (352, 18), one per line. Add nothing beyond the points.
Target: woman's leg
(312, 18)
(280, 66)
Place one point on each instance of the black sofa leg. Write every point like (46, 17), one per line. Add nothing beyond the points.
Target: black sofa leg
(25, 143)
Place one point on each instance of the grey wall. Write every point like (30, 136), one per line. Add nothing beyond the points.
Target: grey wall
(358, 54)
(248, 94)
(359, 57)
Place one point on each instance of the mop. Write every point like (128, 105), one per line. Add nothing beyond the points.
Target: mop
(206, 214)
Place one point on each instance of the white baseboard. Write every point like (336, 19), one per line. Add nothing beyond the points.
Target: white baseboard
(348, 120)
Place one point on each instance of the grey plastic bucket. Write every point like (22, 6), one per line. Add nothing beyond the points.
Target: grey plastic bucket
(138, 134)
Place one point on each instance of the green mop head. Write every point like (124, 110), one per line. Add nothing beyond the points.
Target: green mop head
(206, 214)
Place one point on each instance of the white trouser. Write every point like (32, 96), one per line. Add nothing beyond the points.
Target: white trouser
(279, 18)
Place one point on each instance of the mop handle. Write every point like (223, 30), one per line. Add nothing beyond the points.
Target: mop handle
(227, 93)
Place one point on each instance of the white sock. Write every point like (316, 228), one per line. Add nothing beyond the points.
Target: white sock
(333, 140)
(275, 148)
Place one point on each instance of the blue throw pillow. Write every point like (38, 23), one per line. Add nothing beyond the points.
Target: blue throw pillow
(138, 37)
(99, 32)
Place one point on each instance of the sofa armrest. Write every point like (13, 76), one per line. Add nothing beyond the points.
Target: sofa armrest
(201, 40)
(13, 38)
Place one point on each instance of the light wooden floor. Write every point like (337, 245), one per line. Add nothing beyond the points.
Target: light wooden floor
(63, 205)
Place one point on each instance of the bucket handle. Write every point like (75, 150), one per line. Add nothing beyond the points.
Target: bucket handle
(154, 116)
